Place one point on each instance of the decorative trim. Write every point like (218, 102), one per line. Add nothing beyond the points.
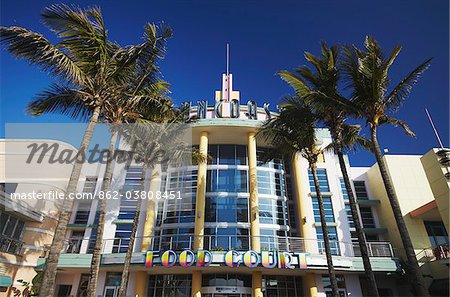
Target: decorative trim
(39, 230)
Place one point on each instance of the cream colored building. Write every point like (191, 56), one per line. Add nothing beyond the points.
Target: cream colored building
(421, 184)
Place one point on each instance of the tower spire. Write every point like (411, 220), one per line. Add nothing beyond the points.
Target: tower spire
(228, 59)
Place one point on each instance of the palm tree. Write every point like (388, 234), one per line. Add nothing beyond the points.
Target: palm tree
(293, 132)
(368, 78)
(153, 145)
(317, 88)
(89, 68)
(141, 96)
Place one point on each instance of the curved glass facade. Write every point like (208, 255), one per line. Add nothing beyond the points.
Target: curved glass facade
(226, 205)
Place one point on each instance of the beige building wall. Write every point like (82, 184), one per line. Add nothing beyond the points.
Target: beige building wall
(412, 189)
(439, 184)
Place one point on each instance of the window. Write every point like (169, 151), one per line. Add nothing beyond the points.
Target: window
(231, 280)
(11, 229)
(340, 282)
(133, 180)
(328, 208)
(436, 233)
(123, 232)
(348, 212)
(177, 238)
(332, 235)
(280, 285)
(227, 180)
(272, 211)
(343, 189)
(10, 226)
(360, 189)
(82, 215)
(276, 163)
(83, 285)
(226, 239)
(169, 285)
(64, 290)
(271, 183)
(8, 188)
(226, 209)
(367, 217)
(323, 180)
(90, 184)
(227, 154)
(113, 279)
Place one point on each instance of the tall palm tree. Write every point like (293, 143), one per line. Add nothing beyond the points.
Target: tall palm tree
(153, 144)
(142, 96)
(89, 68)
(317, 87)
(292, 132)
(367, 73)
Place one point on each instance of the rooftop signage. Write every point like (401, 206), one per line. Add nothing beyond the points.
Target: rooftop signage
(226, 109)
(249, 259)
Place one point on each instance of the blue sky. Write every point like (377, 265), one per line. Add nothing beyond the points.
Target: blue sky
(265, 37)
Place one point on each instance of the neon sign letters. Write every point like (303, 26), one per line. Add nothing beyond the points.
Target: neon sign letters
(250, 259)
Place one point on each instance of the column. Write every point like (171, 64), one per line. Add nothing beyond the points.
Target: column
(310, 284)
(151, 211)
(141, 283)
(301, 196)
(253, 190)
(196, 290)
(254, 211)
(199, 229)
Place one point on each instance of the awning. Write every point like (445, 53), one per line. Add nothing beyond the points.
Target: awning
(5, 281)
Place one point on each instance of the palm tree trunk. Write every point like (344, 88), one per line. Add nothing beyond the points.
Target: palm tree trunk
(48, 282)
(413, 269)
(373, 291)
(326, 239)
(96, 255)
(126, 265)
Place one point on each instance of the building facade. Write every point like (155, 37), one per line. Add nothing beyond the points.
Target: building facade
(241, 228)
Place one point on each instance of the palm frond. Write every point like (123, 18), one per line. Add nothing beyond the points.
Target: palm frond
(296, 82)
(35, 48)
(62, 100)
(398, 95)
(396, 122)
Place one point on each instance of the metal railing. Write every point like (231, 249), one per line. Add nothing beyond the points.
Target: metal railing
(10, 245)
(439, 252)
(226, 242)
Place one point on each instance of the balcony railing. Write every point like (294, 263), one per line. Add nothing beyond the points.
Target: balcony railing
(439, 252)
(10, 245)
(225, 243)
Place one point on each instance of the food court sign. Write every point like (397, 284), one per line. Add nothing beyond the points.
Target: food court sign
(203, 258)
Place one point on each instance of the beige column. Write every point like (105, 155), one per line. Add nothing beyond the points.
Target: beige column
(301, 202)
(310, 284)
(301, 195)
(257, 284)
(151, 212)
(196, 290)
(253, 190)
(199, 229)
(254, 211)
(141, 283)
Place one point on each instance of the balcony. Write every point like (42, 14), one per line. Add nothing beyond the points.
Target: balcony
(238, 243)
(440, 252)
(10, 245)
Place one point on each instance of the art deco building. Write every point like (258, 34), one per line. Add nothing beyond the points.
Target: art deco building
(241, 228)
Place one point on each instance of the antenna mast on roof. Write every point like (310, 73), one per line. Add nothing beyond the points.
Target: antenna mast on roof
(228, 59)
(434, 128)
